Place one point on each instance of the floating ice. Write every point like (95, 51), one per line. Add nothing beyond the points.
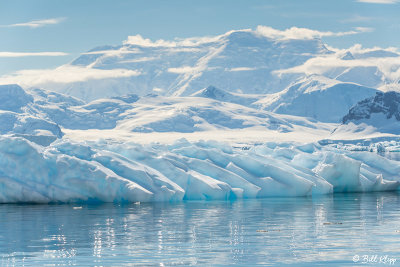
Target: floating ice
(67, 171)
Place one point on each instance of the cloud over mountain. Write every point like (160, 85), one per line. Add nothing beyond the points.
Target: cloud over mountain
(36, 23)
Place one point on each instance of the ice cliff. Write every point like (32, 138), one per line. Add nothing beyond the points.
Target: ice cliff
(104, 171)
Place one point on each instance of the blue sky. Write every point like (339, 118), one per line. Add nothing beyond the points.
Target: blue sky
(75, 26)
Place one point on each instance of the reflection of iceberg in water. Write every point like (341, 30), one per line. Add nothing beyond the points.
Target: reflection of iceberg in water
(288, 230)
(120, 172)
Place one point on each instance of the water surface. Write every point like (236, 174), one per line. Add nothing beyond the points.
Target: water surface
(330, 230)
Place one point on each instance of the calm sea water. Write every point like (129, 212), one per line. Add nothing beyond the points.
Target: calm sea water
(335, 230)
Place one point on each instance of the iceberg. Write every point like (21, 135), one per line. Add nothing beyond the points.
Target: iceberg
(103, 171)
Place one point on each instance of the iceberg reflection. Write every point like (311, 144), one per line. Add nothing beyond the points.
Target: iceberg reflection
(265, 231)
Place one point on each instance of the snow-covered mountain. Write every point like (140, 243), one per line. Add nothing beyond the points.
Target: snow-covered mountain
(13, 97)
(225, 96)
(16, 121)
(237, 61)
(316, 97)
(370, 67)
(247, 61)
(130, 113)
(260, 68)
(381, 111)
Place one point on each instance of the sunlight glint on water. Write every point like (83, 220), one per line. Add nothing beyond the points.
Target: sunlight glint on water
(328, 230)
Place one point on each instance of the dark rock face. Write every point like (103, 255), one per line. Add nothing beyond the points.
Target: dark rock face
(386, 103)
(129, 98)
(214, 93)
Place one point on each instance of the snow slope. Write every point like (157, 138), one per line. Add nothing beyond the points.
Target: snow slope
(13, 97)
(16, 121)
(225, 96)
(211, 112)
(130, 113)
(379, 113)
(316, 97)
(369, 67)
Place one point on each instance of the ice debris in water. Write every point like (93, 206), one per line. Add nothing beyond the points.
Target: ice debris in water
(67, 171)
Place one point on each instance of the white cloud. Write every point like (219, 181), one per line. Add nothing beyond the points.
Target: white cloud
(379, 1)
(304, 33)
(368, 62)
(139, 40)
(115, 52)
(359, 49)
(182, 70)
(138, 60)
(324, 65)
(37, 23)
(357, 18)
(178, 42)
(364, 29)
(158, 90)
(189, 43)
(241, 69)
(62, 75)
(32, 54)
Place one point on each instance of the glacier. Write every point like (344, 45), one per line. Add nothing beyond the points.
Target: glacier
(104, 171)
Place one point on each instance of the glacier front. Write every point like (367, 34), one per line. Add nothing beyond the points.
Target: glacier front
(109, 171)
